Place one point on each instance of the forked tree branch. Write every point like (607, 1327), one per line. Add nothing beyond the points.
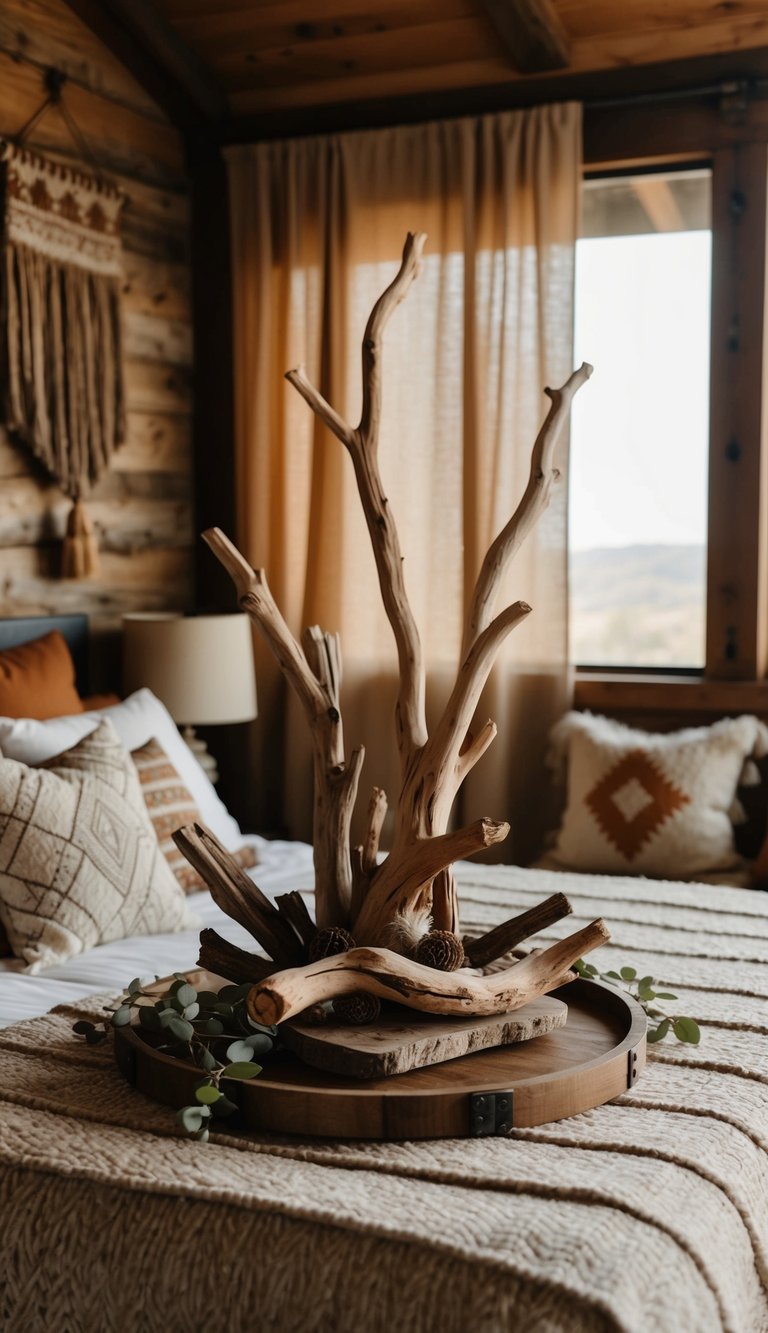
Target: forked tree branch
(542, 476)
(362, 444)
(315, 676)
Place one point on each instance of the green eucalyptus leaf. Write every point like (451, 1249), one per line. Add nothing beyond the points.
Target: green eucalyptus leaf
(206, 1059)
(614, 976)
(191, 1011)
(149, 1019)
(645, 983)
(224, 1107)
(260, 1043)
(121, 1017)
(229, 994)
(186, 994)
(207, 998)
(203, 1134)
(685, 1029)
(134, 986)
(239, 1050)
(208, 1094)
(214, 1026)
(665, 995)
(190, 1118)
(627, 973)
(180, 1028)
(165, 1016)
(242, 1069)
(659, 1033)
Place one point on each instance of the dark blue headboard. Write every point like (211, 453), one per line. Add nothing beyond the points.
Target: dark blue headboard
(22, 629)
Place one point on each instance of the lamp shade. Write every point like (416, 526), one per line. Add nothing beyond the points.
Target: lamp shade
(201, 667)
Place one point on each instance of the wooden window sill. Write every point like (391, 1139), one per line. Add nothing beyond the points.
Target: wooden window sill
(607, 692)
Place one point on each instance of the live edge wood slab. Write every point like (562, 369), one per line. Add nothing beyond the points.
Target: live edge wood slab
(400, 1041)
(596, 1056)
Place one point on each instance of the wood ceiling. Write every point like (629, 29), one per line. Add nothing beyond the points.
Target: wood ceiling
(251, 62)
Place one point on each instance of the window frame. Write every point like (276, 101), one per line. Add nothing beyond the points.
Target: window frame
(733, 141)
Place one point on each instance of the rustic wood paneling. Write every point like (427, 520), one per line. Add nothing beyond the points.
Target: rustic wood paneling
(142, 508)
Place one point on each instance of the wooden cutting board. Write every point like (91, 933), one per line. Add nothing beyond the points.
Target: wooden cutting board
(403, 1040)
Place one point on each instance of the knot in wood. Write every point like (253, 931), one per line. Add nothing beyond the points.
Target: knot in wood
(329, 941)
(440, 949)
(334, 714)
(357, 1009)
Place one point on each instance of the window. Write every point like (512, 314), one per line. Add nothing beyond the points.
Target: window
(640, 433)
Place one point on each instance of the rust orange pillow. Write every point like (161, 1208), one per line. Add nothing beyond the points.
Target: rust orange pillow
(37, 679)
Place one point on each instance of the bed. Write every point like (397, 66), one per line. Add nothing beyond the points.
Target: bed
(647, 1213)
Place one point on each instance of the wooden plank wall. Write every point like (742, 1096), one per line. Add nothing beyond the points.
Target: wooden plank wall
(142, 507)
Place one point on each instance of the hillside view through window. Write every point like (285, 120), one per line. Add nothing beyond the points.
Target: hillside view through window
(639, 438)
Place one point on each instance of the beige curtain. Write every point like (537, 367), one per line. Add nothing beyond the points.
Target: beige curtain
(318, 227)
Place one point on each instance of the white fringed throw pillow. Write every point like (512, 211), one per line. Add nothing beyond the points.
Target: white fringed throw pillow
(652, 804)
(79, 860)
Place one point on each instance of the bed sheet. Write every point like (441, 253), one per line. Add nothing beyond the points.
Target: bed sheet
(281, 866)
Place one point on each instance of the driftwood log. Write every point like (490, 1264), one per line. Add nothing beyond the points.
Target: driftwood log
(388, 903)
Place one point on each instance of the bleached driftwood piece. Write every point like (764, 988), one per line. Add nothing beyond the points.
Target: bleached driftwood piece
(389, 976)
(391, 902)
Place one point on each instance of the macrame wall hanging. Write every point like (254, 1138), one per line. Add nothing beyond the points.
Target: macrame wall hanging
(61, 376)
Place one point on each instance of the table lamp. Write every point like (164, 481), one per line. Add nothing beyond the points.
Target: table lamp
(200, 667)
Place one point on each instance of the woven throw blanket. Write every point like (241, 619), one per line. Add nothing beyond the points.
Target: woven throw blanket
(647, 1214)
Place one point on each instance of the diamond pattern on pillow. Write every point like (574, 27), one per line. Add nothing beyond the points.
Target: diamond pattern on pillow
(632, 802)
(170, 805)
(79, 860)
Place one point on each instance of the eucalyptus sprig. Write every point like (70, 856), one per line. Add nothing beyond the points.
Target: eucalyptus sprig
(197, 1023)
(642, 990)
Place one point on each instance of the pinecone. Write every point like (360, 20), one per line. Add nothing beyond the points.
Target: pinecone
(357, 1009)
(440, 949)
(328, 941)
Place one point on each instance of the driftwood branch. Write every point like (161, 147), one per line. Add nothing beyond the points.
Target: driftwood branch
(226, 960)
(536, 497)
(236, 894)
(401, 893)
(393, 900)
(315, 676)
(362, 445)
(498, 942)
(391, 977)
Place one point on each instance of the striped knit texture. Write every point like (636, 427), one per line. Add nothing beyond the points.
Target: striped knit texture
(650, 1213)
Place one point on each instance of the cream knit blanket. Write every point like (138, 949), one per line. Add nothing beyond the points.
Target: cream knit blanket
(650, 1214)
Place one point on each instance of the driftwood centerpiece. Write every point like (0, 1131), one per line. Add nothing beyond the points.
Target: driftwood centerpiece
(387, 905)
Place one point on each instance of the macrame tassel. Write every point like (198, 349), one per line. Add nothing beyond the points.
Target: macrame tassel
(80, 554)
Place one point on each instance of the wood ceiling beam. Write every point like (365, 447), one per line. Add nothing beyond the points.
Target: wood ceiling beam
(531, 34)
(148, 46)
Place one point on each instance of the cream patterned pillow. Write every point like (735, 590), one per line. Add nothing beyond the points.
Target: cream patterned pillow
(652, 804)
(79, 860)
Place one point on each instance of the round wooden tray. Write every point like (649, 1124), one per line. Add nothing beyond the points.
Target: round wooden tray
(597, 1055)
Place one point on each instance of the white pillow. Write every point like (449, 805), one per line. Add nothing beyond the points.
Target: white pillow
(138, 719)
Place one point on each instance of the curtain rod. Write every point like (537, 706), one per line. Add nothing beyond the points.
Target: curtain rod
(728, 88)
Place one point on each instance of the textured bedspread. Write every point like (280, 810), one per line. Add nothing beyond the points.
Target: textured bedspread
(647, 1214)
